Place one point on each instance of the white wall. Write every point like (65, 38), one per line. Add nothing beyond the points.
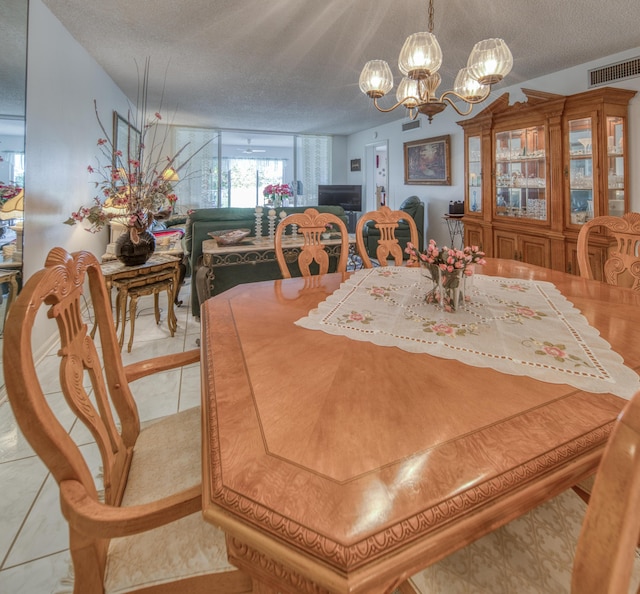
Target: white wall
(437, 198)
(61, 135)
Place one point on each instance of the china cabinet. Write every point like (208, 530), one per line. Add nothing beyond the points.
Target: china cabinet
(537, 170)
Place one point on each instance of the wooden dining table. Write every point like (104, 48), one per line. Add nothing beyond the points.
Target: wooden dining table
(339, 465)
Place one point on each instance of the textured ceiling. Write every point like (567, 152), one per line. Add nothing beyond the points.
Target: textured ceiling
(293, 65)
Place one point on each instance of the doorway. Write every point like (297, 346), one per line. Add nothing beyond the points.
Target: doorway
(376, 175)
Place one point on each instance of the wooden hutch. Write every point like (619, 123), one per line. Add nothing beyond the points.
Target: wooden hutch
(536, 171)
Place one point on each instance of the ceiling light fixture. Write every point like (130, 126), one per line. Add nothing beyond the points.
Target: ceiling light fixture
(420, 58)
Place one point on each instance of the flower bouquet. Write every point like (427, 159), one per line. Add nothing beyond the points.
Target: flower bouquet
(448, 268)
(274, 194)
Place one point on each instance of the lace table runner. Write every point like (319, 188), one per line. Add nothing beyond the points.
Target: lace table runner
(514, 326)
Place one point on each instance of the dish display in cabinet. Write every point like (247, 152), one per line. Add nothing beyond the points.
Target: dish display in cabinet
(521, 187)
(474, 175)
(583, 161)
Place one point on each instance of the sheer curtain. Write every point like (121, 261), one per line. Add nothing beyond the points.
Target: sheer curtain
(313, 167)
(199, 180)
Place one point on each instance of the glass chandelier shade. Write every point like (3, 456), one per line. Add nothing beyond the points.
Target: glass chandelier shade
(376, 78)
(420, 56)
(490, 61)
(468, 87)
(408, 92)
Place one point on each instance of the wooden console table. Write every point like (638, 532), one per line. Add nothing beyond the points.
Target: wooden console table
(257, 250)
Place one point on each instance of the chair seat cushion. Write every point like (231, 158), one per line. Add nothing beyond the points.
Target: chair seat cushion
(533, 553)
(186, 548)
(166, 459)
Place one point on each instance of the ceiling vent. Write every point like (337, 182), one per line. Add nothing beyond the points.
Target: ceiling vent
(614, 72)
(411, 125)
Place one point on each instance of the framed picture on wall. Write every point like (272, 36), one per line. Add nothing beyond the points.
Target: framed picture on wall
(355, 164)
(428, 161)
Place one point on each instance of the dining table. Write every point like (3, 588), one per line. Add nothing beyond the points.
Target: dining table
(354, 434)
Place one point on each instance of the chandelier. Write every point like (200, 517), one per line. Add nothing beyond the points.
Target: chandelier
(420, 58)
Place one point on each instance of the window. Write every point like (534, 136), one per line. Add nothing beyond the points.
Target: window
(234, 168)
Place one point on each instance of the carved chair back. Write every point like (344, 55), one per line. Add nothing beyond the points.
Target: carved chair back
(609, 536)
(386, 220)
(622, 264)
(312, 224)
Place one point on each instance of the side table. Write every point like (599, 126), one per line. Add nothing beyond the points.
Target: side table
(456, 229)
(159, 273)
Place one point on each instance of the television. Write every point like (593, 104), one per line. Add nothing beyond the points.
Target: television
(349, 197)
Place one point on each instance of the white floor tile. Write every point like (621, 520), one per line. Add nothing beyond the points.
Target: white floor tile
(21, 480)
(42, 576)
(45, 531)
(190, 387)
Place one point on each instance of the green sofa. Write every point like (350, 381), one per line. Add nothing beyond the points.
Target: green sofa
(202, 221)
(414, 207)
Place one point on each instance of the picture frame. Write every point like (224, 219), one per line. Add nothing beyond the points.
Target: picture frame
(428, 161)
(356, 165)
(126, 138)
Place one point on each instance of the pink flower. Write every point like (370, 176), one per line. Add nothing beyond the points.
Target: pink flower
(158, 115)
(442, 329)
(526, 311)
(356, 317)
(102, 141)
(554, 352)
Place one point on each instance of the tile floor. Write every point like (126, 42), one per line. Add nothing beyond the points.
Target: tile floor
(34, 556)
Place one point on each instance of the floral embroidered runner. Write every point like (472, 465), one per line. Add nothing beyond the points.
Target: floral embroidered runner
(514, 326)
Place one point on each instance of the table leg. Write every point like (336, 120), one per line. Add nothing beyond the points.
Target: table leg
(121, 311)
(156, 306)
(13, 291)
(172, 320)
(133, 305)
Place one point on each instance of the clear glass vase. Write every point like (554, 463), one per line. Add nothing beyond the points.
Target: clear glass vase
(448, 289)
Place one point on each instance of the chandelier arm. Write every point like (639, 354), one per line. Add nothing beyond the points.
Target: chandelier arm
(386, 110)
(470, 102)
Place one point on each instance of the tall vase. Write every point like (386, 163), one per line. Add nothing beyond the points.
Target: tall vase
(134, 254)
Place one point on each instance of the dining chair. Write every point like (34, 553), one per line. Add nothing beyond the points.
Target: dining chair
(145, 532)
(311, 224)
(563, 545)
(386, 220)
(622, 264)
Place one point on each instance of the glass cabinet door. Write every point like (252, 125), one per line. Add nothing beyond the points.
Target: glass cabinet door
(474, 175)
(521, 173)
(615, 164)
(581, 170)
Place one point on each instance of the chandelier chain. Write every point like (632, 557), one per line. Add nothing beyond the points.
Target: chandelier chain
(430, 26)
